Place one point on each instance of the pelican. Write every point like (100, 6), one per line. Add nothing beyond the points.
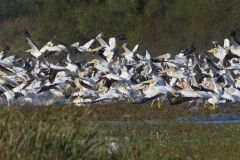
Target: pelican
(128, 54)
(215, 99)
(34, 48)
(235, 45)
(107, 77)
(46, 47)
(101, 65)
(110, 46)
(58, 48)
(85, 47)
(157, 86)
(218, 51)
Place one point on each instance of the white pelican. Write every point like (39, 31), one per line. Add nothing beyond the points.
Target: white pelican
(235, 45)
(215, 99)
(101, 65)
(218, 51)
(111, 46)
(58, 48)
(128, 78)
(128, 54)
(46, 47)
(34, 48)
(85, 47)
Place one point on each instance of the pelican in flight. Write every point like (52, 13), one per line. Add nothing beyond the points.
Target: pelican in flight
(218, 51)
(235, 45)
(110, 46)
(128, 54)
(112, 76)
(34, 48)
(85, 47)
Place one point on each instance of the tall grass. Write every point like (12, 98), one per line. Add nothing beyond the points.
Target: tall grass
(66, 132)
(43, 135)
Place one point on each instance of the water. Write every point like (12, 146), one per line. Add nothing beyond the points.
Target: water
(212, 119)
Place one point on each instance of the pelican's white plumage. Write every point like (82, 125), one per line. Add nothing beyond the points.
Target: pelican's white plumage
(109, 76)
(85, 47)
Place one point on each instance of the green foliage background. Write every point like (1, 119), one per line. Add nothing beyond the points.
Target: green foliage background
(159, 25)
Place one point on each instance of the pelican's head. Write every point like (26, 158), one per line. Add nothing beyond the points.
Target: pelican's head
(94, 61)
(29, 51)
(96, 49)
(213, 50)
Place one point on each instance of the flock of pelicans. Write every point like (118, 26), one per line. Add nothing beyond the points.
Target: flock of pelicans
(117, 74)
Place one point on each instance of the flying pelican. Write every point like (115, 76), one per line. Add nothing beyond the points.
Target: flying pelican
(218, 51)
(235, 45)
(128, 54)
(85, 47)
(34, 48)
(101, 65)
(108, 77)
(110, 46)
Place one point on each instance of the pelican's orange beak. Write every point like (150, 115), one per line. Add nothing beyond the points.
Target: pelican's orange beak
(95, 49)
(213, 50)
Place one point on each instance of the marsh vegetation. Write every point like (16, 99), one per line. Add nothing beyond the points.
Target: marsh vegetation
(66, 132)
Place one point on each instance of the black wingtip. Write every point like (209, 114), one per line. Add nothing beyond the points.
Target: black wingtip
(193, 47)
(121, 37)
(190, 50)
(26, 33)
(233, 33)
(6, 48)
(101, 50)
(100, 53)
(215, 43)
(233, 37)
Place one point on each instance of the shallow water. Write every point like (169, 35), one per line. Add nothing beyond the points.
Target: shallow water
(212, 119)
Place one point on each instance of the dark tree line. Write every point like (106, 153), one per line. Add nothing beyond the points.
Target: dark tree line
(160, 25)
